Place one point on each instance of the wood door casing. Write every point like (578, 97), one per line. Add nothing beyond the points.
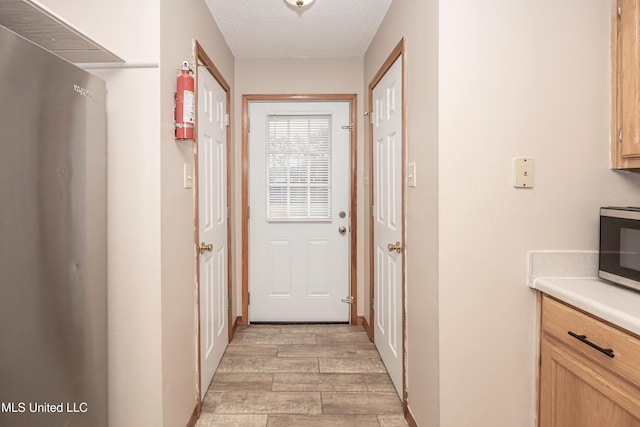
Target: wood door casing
(201, 56)
(299, 184)
(387, 182)
(212, 226)
(353, 221)
(399, 51)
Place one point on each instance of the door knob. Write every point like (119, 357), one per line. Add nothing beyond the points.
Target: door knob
(342, 229)
(205, 248)
(397, 247)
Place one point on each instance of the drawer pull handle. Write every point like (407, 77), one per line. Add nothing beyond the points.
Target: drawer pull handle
(583, 338)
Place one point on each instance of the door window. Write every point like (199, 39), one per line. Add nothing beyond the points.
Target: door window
(298, 168)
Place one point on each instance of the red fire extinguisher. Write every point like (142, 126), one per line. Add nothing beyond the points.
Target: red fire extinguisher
(185, 111)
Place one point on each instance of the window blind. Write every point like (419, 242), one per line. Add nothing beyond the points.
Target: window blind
(298, 167)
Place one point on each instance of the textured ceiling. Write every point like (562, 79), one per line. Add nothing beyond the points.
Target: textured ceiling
(274, 29)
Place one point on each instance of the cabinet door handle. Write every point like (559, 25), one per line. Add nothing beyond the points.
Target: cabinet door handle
(583, 338)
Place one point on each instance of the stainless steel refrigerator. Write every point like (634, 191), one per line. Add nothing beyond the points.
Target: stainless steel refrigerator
(53, 346)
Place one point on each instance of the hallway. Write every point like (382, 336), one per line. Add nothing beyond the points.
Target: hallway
(301, 375)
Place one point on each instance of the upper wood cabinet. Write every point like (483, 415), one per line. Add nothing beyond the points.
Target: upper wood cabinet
(625, 90)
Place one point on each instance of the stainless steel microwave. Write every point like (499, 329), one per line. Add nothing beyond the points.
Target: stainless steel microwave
(619, 256)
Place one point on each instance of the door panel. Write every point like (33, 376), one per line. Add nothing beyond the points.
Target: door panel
(212, 175)
(279, 269)
(206, 302)
(298, 184)
(387, 182)
(319, 264)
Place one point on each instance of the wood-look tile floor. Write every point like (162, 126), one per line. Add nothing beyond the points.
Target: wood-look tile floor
(301, 376)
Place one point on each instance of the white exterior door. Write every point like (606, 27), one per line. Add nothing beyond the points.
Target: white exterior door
(212, 196)
(387, 190)
(299, 203)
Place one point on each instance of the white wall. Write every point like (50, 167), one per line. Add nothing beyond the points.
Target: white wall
(488, 81)
(532, 80)
(298, 76)
(150, 216)
(418, 21)
(131, 30)
(133, 160)
(177, 222)
(513, 79)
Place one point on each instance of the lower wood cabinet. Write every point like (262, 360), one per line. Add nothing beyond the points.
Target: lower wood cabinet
(581, 384)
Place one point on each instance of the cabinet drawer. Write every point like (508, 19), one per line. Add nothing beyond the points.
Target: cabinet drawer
(559, 319)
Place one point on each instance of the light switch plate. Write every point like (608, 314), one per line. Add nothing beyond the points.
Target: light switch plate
(523, 172)
(188, 175)
(411, 174)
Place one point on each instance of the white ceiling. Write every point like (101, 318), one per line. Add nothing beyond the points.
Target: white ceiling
(274, 29)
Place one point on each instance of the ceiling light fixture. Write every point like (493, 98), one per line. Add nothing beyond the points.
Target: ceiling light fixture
(299, 3)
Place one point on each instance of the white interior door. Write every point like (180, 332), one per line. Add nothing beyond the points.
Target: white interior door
(299, 211)
(212, 189)
(387, 187)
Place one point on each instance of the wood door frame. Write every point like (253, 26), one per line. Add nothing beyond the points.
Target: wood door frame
(353, 217)
(200, 56)
(398, 52)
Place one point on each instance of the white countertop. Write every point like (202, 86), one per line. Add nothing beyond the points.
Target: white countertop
(572, 277)
(615, 304)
